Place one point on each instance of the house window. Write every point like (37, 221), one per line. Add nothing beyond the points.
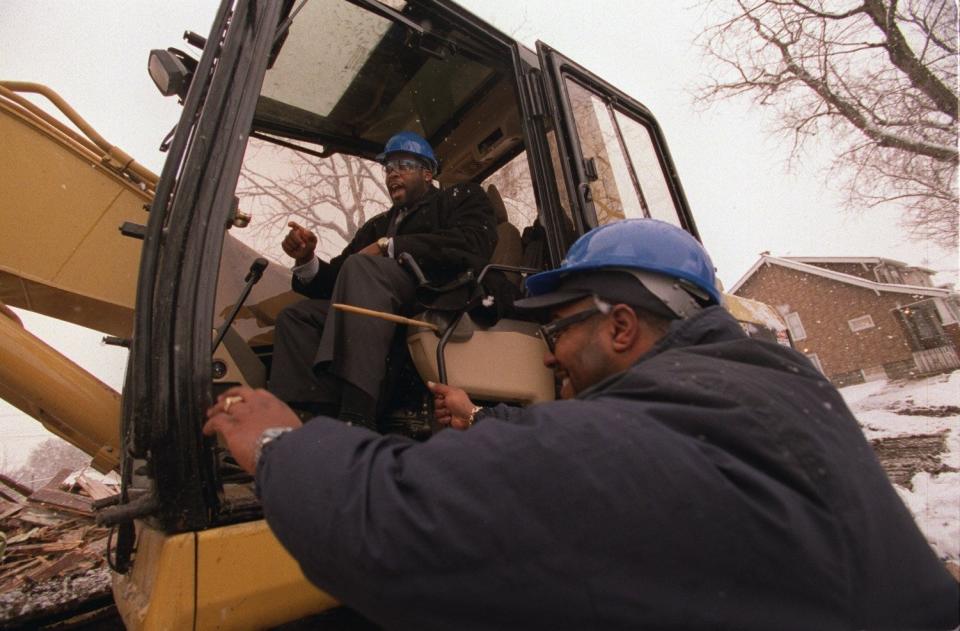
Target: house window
(861, 323)
(948, 310)
(815, 361)
(797, 331)
(914, 277)
(887, 274)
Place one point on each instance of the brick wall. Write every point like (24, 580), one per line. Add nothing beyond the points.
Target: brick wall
(903, 369)
(853, 269)
(824, 307)
(851, 378)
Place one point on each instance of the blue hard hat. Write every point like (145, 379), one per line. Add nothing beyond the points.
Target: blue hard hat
(410, 142)
(644, 245)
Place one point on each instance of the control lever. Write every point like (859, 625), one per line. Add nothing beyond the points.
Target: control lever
(408, 261)
(252, 278)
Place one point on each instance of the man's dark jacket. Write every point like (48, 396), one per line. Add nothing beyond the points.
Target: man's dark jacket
(719, 483)
(446, 232)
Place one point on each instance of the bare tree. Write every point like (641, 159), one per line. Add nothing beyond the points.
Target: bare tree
(332, 196)
(879, 75)
(515, 186)
(48, 458)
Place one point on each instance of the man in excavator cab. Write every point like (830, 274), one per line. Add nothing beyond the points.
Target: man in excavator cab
(335, 363)
(693, 478)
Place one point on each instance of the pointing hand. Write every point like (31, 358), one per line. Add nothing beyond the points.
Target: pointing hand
(299, 243)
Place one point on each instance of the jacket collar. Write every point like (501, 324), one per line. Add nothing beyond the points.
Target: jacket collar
(713, 324)
(432, 192)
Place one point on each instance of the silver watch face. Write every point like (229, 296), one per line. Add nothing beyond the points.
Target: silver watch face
(266, 437)
(271, 433)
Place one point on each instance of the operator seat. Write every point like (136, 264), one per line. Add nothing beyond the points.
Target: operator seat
(509, 250)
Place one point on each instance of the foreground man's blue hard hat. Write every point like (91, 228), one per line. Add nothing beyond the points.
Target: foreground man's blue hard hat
(647, 245)
(410, 142)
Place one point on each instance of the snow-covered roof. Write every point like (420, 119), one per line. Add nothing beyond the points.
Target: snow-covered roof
(795, 264)
(865, 260)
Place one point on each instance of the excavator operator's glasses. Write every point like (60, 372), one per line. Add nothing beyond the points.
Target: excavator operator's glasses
(552, 331)
(401, 165)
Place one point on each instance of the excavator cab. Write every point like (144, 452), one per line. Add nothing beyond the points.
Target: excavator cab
(285, 106)
(535, 126)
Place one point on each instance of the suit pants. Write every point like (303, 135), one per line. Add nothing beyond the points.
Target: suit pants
(317, 347)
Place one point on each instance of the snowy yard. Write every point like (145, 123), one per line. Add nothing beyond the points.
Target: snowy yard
(915, 427)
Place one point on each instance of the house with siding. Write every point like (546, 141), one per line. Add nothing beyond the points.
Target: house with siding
(860, 318)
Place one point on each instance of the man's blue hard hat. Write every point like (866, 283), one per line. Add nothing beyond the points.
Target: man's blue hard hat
(410, 142)
(645, 245)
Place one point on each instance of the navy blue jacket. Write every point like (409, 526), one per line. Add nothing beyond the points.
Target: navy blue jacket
(720, 482)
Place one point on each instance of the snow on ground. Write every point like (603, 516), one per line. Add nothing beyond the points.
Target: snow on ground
(888, 409)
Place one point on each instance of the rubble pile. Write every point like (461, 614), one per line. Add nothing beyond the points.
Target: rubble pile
(52, 554)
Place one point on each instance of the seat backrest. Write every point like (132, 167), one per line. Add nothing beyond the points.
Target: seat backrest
(509, 250)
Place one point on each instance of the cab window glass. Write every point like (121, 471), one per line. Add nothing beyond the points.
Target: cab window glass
(643, 155)
(522, 240)
(331, 196)
(349, 75)
(615, 195)
(515, 186)
(630, 179)
(568, 233)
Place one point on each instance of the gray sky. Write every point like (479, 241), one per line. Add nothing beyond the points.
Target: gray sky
(743, 197)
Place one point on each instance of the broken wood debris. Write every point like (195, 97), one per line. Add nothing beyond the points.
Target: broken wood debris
(49, 534)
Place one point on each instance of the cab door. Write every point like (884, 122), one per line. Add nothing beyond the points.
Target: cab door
(613, 155)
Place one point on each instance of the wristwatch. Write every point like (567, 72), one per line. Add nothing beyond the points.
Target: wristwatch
(384, 244)
(475, 414)
(268, 436)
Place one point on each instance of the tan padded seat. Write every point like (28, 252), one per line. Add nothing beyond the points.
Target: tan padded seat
(509, 250)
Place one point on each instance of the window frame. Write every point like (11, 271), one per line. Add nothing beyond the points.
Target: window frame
(556, 70)
(856, 328)
(794, 328)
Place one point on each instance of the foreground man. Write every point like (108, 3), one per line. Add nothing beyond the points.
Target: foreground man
(696, 479)
(335, 363)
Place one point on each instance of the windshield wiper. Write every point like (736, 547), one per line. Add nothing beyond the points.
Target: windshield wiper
(430, 42)
(283, 28)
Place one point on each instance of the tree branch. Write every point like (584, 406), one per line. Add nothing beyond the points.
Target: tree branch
(901, 55)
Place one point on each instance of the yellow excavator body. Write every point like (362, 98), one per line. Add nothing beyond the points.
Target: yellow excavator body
(232, 577)
(71, 190)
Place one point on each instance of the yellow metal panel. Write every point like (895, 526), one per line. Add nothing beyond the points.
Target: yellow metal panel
(249, 581)
(60, 209)
(754, 311)
(157, 593)
(104, 249)
(244, 580)
(20, 290)
(68, 400)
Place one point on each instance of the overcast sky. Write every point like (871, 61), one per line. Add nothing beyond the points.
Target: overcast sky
(745, 201)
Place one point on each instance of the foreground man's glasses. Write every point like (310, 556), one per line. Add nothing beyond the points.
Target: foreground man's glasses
(551, 332)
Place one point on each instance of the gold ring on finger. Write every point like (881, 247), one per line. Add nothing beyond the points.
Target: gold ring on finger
(230, 401)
